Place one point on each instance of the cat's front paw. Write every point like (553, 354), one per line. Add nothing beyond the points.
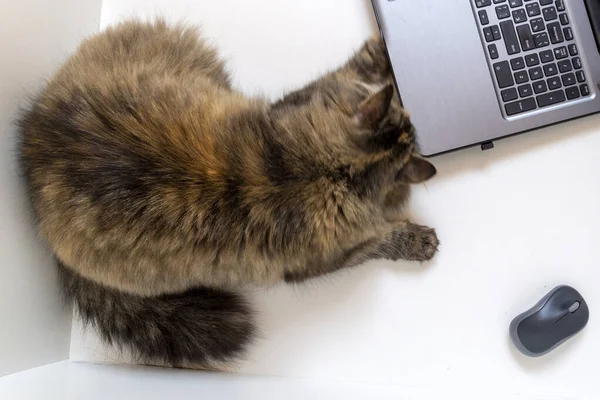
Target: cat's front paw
(413, 242)
(423, 245)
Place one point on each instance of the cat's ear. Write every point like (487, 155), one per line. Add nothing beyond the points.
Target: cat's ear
(417, 170)
(373, 110)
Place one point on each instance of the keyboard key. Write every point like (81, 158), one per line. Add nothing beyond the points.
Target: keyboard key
(520, 106)
(493, 51)
(510, 37)
(577, 63)
(554, 83)
(568, 33)
(515, 3)
(526, 37)
(580, 76)
(503, 74)
(537, 25)
(548, 99)
(533, 9)
(550, 14)
(546, 2)
(568, 79)
(547, 56)
(556, 33)
(483, 17)
(560, 53)
(521, 77)
(499, 1)
(572, 92)
(550, 69)
(517, 63)
(489, 35)
(496, 32)
(564, 19)
(540, 87)
(532, 60)
(560, 5)
(565, 66)
(525, 90)
(542, 40)
(585, 90)
(573, 50)
(502, 12)
(536, 73)
(509, 94)
(483, 3)
(519, 16)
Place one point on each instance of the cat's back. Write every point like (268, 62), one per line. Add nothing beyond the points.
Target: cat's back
(135, 48)
(124, 133)
(135, 92)
(134, 82)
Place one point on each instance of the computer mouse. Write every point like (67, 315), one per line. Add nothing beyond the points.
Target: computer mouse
(557, 317)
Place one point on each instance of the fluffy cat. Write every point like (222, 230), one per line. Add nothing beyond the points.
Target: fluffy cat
(161, 189)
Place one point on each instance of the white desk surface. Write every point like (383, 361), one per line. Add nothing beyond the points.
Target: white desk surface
(514, 222)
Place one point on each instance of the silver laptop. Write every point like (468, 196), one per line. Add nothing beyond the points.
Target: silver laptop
(473, 71)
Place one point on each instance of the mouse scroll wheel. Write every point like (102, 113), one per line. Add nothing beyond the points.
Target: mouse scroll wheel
(574, 307)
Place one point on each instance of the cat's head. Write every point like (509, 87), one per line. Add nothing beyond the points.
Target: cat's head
(385, 135)
(357, 129)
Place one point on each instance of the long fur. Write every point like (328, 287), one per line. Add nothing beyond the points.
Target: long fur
(161, 189)
(199, 327)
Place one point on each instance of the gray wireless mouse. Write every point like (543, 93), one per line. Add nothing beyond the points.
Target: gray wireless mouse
(560, 315)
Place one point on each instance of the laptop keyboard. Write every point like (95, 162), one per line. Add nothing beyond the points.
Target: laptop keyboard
(532, 52)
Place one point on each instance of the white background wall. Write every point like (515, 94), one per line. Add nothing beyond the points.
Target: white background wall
(271, 45)
(35, 36)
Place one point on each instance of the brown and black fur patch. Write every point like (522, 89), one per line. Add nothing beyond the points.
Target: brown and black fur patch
(157, 329)
(160, 188)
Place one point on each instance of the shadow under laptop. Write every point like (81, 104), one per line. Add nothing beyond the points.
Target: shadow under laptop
(474, 158)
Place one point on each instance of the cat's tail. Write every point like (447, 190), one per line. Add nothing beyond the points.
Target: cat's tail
(202, 328)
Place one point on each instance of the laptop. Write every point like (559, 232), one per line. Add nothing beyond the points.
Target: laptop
(470, 72)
